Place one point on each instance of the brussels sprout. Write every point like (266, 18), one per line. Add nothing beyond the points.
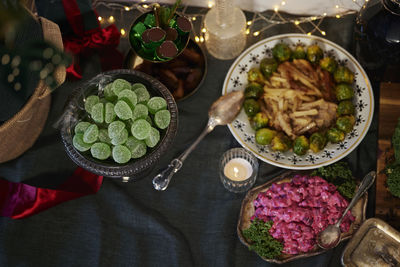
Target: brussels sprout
(344, 91)
(335, 135)
(260, 120)
(345, 107)
(345, 123)
(299, 52)
(301, 145)
(268, 66)
(253, 90)
(343, 75)
(317, 141)
(328, 63)
(255, 75)
(281, 142)
(251, 107)
(314, 53)
(281, 52)
(264, 136)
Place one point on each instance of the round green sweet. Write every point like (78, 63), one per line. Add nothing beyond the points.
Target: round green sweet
(140, 112)
(156, 103)
(123, 110)
(90, 101)
(79, 144)
(153, 138)
(162, 119)
(115, 128)
(100, 151)
(103, 136)
(121, 154)
(140, 129)
(98, 113)
(142, 94)
(109, 94)
(119, 85)
(109, 115)
(129, 97)
(91, 134)
(137, 147)
(81, 127)
(120, 138)
(138, 85)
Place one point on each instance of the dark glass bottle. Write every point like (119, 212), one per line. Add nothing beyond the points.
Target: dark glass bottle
(377, 37)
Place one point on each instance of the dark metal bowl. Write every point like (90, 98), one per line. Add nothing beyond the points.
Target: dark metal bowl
(75, 111)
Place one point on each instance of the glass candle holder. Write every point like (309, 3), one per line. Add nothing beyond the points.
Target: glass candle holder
(238, 170)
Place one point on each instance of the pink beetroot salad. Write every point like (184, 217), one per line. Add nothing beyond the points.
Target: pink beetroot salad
(300, 209)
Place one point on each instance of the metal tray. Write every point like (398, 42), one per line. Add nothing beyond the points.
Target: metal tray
(247, 211)
(376, 243)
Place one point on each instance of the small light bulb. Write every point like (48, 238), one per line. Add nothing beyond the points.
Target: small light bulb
(297, 22)
(145, 6)
(197, 39)
(256, 33)
(313, 18)
(123, 32)
(201, 39)
(99, 18)
(247, 31)
(204, 30)
(210, 4)
(325, 14)
(309, 33)
(249, 22)
(194, 18)
(276, 9)
(323, 33)
(111, 19)
(283, 3)
(338, 16)
(127, 8)
(337, 6)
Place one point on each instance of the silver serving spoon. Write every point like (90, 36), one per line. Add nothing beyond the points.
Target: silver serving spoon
(221, 112)
(330, 237)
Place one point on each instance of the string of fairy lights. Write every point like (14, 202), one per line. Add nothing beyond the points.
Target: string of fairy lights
(260, 21)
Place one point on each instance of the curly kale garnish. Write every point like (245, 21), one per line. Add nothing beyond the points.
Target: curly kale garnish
(340, 175)
(261, 240)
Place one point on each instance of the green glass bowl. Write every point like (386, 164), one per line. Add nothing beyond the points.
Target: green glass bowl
(136, 45)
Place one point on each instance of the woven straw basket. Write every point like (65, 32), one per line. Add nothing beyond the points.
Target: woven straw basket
(20, 132)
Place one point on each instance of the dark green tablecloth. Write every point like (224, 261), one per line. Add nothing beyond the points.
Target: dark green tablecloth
(130, 224)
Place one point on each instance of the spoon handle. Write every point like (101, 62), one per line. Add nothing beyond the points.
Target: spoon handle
(161, 181)
(364, 185)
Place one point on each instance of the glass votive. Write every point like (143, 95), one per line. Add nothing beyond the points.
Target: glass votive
(238, 170)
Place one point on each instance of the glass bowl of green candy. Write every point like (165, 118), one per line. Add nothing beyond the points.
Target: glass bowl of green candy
(119, 123)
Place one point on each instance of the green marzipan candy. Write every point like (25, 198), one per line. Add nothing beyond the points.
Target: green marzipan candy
(140, 112)
(91, 134)
(121, 154)
(98, 113)
(79, 144)
(162, 119)
(120, 138)
(140, 129)
(103, 136)
(115, 128)
(119, 85)
(137, 147)
(137, 85)
(100, 151)
(81, 127)
(156, 103)
(129, 97)
(153, 138)
(90, 101)
(142, 94)
(110, 113)
(108, 93)
(123, 110)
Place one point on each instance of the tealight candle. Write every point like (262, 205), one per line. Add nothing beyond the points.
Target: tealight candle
(238, 169)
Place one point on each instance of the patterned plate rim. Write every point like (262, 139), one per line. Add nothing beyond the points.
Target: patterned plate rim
(336, 47)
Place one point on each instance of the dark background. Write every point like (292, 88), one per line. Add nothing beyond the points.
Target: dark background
(192, 223)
